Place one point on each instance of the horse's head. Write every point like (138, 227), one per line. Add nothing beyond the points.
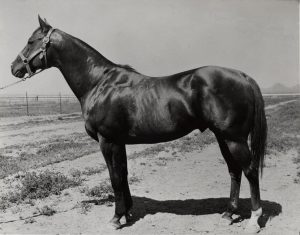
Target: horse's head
(33, 57)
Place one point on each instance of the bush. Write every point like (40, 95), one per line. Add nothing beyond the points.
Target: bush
(103, 191)
(38, 186)
(42, 185)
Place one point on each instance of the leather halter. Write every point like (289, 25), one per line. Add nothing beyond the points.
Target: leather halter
(42, 52)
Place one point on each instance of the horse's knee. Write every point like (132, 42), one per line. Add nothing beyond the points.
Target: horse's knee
(235, 174)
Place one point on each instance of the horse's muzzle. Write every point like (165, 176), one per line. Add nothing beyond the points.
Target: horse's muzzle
(18, 69)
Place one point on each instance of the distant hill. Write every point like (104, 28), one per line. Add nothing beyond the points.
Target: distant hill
(279, 88)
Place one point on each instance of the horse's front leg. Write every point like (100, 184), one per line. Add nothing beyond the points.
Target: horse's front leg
(116, 160)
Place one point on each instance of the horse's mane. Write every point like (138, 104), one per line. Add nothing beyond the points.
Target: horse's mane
(124, 66)
(127, 67)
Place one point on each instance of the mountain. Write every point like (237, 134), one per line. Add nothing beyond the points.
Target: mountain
(279, 88)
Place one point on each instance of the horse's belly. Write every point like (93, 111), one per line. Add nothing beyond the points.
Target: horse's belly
(155, 131)
(156, 137)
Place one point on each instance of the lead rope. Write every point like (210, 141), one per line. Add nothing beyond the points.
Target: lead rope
(14, 83)
(9, 85)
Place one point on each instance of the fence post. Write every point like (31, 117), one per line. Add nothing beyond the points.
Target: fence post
(60, 109)
(27, 104)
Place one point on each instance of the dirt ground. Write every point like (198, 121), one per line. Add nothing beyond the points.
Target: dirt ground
(181, 193)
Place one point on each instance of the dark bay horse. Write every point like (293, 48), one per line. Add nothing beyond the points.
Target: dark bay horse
(121, 106)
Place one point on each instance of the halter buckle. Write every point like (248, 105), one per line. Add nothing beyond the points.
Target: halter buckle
(46, 40)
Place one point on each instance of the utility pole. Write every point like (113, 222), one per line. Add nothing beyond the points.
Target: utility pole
(27, 104)
(60, 108)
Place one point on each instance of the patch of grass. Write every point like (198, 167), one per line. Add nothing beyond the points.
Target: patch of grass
(102, 191)
(29, 221)
(134, 179)
(284, 127)
(4, 203)
(75, 173)
(197, 142)
(297, 179)
(46, 210)
(189, 143)
(35, 186)
(93, 170)
(49, 152)
(153, 150)
(38, 186)
(8, 166)
(284, 131)
(270, 100)
(88, 171)
(85, 207)
(37, 107)
(161, 163)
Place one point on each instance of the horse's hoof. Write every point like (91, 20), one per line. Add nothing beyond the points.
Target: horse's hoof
(225, 220)
(252, 228)
(115, 224)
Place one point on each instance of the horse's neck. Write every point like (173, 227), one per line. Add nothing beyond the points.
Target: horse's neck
(81, 65)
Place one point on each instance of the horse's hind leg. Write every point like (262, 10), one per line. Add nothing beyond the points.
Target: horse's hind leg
(241, 154)
(235, 172)
(116, 160)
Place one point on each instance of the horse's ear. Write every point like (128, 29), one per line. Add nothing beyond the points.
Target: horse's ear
(43, 24)
(46, 21)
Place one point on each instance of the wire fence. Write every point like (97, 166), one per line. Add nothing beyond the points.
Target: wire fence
(33, 105)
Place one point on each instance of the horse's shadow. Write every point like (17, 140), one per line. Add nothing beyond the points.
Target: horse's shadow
(146, 206)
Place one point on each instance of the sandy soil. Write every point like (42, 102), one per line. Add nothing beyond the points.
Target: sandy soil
(174, 194)
(184, 195)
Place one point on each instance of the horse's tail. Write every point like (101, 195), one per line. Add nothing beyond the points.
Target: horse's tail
(258, 133)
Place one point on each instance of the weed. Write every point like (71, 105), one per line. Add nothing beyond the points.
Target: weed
(284, 129)
(85, 207)
(4, 203)
(46, 210)
(284, 126)
(75, 173)
(29, 221)
(133, 179)
(185, 144)
(8, 166)
(38, 186)
(49, 152)
(104, 191)
(161, 163)
(42, 185)
(270, 100)
(67, 193)
(93, 170)
(83, 189)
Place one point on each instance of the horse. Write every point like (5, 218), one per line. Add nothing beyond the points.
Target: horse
(121, 106)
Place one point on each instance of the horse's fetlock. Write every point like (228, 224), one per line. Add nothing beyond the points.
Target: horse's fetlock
(257, 213)
(232, 207)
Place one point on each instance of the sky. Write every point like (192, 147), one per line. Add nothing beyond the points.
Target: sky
(161, 37)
